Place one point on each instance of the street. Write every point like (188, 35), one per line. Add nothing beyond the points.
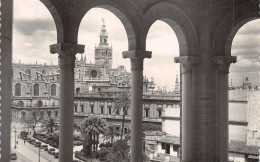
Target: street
(27, 152)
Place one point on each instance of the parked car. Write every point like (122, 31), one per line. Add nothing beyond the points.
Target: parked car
(75, 161)
(44, 146)
(13, 156)
(24, 137)
(46, 149)
(37, 144)
(56, 155)
(51, 151)
(23, 133)
(32, 141)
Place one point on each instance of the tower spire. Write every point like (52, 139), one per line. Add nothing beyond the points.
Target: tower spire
(103, 34)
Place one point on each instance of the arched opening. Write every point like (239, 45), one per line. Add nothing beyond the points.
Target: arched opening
(163, 81)
(101, 26)
(20, 104)
(244, 83)
(39, 104)
(77, 90)
(36, 90)
(93, 74)
(53, 90)
(18, 89)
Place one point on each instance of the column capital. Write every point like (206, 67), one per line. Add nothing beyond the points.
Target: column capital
(137, 58)
(186, 62)
(67, 52)
(223, 63)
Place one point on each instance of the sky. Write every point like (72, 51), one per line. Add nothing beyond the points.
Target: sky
(34, 30)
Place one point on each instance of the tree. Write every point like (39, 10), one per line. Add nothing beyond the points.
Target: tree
(122, 103)
(90, 131)
(49, 125)
(84, 135)
(111, 133)
(33, 119)
(151, 127)
(119, 152)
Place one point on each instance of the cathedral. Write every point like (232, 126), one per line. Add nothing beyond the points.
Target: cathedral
(36, 88)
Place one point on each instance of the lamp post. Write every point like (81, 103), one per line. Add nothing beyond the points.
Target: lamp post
(40, 152)
(15, 137)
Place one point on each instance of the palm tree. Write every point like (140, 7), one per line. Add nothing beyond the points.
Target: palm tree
(111, 133)
(49, 125)
(84, 135)
(122, 102)
(93, 127)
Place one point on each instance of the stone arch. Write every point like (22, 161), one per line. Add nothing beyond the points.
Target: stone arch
(121, 13)
(36, 89)
(39, 103)
(18, 89)
(20, 104)
(176, 18)
(57, 16)
(53, 90)
(227, 29)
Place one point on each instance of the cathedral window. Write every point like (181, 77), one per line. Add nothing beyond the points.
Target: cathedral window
(102, 110)
(36, 90)
(146, 113)
(75, 108)
(92, 109)
(53, 90)
(23, 114)
(39, 104)
(77, 90)
(18, 89)
(82, 108)
(159, 113)
(49, 113)
(20, 104)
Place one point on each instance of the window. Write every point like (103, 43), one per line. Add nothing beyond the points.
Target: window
(49, 113)
(92, 109)
(77, 90)
(175, 148)
(159, 113)
(36, 90)
(99, 89)
(53, 90)
(102, 110)
(23, 114)
(18, 89)
(125, 130)
(39, 104)
(126, 112)
(117, 128)
(20, 104)
(42, 113)
(109, 110)
(75, 108)
(82, 108)
(56, 113)
(147, 113)
(163, 146)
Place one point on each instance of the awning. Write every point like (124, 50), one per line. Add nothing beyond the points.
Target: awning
(253, 157)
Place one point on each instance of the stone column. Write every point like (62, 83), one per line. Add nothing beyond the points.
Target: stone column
(67, 52)
(137, 59)
(6, 74)
(188, 114)
(223, 63)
